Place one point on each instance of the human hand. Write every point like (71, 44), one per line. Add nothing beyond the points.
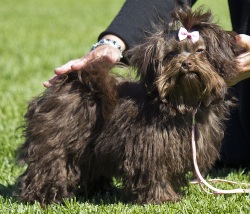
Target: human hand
(243, 60)
(103, 55)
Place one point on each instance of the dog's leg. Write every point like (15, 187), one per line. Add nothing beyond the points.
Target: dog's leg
(58, 127)
(134, 150)
(151, 187)
(61, 126)
(148, 177)
(48, 181)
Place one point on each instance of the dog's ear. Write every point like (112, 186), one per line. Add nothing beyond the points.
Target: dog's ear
(147, 57)
(221, 48)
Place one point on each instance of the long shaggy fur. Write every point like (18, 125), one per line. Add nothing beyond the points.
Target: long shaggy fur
(82, 134)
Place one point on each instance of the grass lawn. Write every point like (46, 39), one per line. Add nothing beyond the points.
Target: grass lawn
(37, 36)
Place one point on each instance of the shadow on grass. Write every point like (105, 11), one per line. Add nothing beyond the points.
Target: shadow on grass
(115, 195)
(226, 171)
(6, 191)
(112, 196)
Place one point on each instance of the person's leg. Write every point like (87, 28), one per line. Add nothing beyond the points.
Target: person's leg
(236, 145)
(240, 15)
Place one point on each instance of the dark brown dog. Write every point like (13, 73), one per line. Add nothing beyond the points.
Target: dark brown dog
(82, 134)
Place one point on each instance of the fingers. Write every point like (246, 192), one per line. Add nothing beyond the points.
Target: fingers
(243, 60)
(50, 82)
(244, 41)
(103, 56)
(66, 68)
(80, 64)
(103, 53)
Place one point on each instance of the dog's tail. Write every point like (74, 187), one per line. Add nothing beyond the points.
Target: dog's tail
(103, 85)
(98, 85)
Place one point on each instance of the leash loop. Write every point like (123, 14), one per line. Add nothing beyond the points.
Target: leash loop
(200, 180)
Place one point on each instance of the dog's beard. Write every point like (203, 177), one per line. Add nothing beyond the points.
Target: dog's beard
(186, 89)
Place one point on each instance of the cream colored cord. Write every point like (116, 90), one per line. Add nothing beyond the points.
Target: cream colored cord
(201, 181)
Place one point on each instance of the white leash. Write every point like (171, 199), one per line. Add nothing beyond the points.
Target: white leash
(201, 180)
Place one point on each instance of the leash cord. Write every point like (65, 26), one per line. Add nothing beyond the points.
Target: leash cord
(200, 180)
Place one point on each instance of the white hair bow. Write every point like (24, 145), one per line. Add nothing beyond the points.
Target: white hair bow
(183, 34)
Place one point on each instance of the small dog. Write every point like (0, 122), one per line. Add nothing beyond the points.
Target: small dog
(82, 134)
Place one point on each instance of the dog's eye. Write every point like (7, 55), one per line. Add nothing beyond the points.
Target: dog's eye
(200, 50)
(170, 55)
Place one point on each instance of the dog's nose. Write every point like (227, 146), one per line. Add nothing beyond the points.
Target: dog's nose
(187, 64)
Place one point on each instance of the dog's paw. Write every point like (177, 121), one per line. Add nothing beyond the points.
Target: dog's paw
(46, 195)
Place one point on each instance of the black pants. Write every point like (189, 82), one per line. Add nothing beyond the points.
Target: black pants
(236, 145)
(240, 15)
(235, 150)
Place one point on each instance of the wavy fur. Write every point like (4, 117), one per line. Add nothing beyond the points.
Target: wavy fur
(81, 134)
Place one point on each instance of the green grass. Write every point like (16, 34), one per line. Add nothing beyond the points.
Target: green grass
(37, 36)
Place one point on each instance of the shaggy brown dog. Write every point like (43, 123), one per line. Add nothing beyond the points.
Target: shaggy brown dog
(82, 134)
